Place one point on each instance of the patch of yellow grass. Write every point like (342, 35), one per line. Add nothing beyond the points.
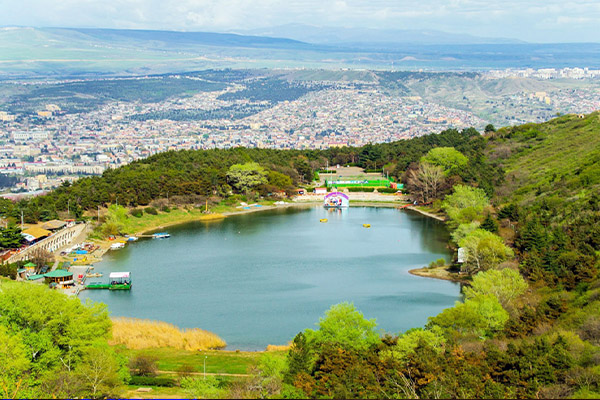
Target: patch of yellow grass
(277, 347)
(143, 334)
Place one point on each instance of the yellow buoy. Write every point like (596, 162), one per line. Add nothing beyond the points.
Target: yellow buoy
(366, 225)
(323, 220)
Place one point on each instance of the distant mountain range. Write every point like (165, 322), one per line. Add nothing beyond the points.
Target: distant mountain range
(78, 52)
(364, 37)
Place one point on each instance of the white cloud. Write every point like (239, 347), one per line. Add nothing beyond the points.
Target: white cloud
(534, 20)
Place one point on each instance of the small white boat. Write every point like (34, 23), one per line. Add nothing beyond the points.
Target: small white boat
(117, 246)
(161, 235)
(132, 238)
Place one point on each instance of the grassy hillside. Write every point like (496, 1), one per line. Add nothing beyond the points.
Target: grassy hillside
(556, 158)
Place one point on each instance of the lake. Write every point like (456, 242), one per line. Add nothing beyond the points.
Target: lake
(260, 278)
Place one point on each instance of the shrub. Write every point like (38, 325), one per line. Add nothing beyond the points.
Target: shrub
(165, 209)
(150, 210)
(143, 365)
(137, 212)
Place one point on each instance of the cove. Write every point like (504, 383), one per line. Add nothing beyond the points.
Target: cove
(260, 278)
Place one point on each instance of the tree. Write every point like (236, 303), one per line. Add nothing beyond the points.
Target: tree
(483, 250)
(450, 159)
(465, 205)
(10, 237)
(482, 315)
(41, 257)
(505, 284)
(411, 339)
(245, 177)
(345, 327)
(14, 365)
(99, 371)
(426, 181)
(115, 220)
(489, 128)
(278, 179)
(464, 230)
(490, 224)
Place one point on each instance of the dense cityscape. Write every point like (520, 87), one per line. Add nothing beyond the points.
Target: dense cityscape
(50, 145)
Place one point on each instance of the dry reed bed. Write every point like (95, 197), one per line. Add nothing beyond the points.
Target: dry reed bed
(142, 334)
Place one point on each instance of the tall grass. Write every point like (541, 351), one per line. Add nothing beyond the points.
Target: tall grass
(143, 334)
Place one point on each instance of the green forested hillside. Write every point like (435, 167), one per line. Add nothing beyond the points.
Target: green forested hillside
(559, 157)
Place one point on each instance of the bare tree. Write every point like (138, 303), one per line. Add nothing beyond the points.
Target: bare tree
(41, 257)
(426, 181)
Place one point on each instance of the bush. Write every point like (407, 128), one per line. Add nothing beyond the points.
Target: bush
(143, 365)
(387, 190)
(137, 212)
(152, 381)
(9, 270)
(151, 211)
(165, 209)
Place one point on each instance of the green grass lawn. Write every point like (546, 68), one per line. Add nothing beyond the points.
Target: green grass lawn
(220, 362)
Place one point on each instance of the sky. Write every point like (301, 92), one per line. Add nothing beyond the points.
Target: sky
(528, 20)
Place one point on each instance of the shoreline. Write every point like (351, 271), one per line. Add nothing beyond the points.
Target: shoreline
(427, 214)
(440, 273)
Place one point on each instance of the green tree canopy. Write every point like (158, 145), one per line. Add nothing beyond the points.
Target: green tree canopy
(484, 250)
(411, 339)
(10, 237)
(482, 315)
(464, 230)
(278, 179)
(465, 205)
(60, 338)
(14, 365)
(505, 284)
(115, 220)
(450, 159)
(345, 327)
(245, 177)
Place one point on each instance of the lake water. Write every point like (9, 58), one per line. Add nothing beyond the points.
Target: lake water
(260, 278)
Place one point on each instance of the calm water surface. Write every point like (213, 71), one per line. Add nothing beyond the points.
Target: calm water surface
(259, 279)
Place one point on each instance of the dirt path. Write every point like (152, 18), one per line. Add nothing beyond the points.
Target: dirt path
(202, 373)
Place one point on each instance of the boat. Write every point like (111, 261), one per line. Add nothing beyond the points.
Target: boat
(323, 220)
(336, 200)
(117, 246)
(120, 281)
(94, 275)
(117, 281)
(132, 238)
(366, 225)
(161, 235)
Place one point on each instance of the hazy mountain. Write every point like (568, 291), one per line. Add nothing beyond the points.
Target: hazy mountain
(59, 52)
(372, 37)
